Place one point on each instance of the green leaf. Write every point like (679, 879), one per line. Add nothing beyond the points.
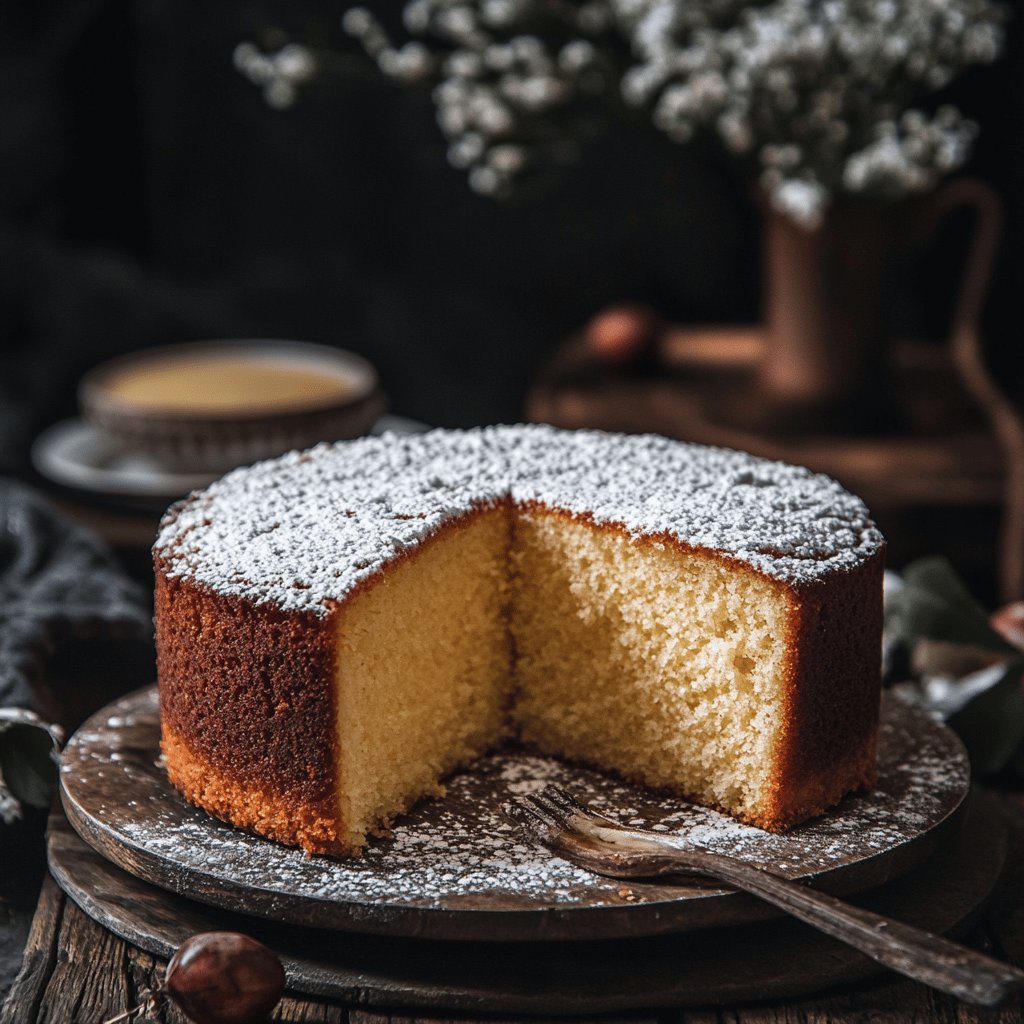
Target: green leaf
(27, 761)
(992, 724)
(934, 604)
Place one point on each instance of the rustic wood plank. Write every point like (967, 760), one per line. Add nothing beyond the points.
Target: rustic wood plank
(89, 981)
(26, 994)
(15, 924)
(74, 971)
(367, 1017)
(146, 974)
(700, 1017)
(302, 1011)
(880, 1006)
(126, 971)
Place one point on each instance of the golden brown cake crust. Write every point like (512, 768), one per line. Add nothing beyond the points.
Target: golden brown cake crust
(248, 805)
(247, 712)
(833, 694)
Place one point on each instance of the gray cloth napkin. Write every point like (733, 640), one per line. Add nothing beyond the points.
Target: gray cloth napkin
(60, 588)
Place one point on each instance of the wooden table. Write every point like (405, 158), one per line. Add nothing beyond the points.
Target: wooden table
(75, 971)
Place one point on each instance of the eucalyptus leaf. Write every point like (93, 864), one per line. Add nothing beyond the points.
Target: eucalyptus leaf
(992, 724)
(28, 761)
(934, 604)
(948, 695)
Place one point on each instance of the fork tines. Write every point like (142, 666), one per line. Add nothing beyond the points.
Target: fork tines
(553, 809)
(559, 803)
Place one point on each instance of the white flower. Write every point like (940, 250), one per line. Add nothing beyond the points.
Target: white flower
(295, 63)
(499, 13)
(802, 201)
(277, 74)
(452, 119)
(464, 64)
(489, 115)
(735, 132)
(499, 57)
(416, 16)
(466, 150)
(507, 160)
(577, 55)
(484, 180)
(356, 20)
(458, 21)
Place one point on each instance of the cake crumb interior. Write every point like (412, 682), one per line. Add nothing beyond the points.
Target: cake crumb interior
(422, 672)
(663, 665)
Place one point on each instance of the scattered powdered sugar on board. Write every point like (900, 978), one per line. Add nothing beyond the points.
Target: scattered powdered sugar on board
(460, 850)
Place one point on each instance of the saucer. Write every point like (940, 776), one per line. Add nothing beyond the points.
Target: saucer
(77, 455)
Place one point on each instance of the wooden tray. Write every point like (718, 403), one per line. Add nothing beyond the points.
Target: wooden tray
(456, 869)
(752, 962)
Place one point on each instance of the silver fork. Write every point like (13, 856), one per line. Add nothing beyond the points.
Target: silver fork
(601, 845)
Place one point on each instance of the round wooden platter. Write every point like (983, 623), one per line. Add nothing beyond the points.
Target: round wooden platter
(724, 967)
(456, 869)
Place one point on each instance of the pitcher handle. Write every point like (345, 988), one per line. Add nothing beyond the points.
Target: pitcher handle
(968, 358)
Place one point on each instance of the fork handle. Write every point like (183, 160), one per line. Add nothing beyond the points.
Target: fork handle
(911, 951)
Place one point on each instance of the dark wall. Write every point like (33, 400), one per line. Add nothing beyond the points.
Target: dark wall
(148, 195)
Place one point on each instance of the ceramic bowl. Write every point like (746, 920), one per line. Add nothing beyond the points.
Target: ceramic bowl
(212, 405)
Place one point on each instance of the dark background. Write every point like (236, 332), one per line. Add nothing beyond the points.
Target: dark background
(148, 195)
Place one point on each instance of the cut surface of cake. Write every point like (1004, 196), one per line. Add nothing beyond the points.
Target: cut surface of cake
(339, 629)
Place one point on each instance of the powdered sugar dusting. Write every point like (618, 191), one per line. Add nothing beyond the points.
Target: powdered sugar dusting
(460, 851)
(302, 530)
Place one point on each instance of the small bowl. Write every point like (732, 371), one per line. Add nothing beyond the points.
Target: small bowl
(209, 406)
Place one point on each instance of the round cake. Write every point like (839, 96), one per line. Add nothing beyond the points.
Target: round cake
(338, 629)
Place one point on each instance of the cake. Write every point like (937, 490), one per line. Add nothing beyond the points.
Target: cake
(339, 629)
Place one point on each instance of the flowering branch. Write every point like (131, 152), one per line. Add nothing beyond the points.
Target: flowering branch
(818, 96)
(518, 84)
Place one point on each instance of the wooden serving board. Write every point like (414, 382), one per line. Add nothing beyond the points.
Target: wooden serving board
(753, 962)
(456, 869)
